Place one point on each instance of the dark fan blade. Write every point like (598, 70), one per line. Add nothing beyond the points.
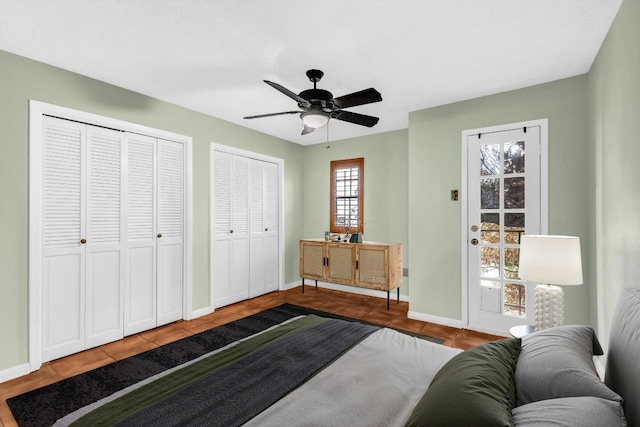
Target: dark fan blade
(272, 114)
(366, 96)
(306, 129)
(359, 119)
(292, 95)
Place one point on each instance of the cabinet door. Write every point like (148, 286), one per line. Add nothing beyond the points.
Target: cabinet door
(312, 260)
(170, 231)
(63, 205)
(373, 267)
(140, 262)
(104, 236)
(341, 263)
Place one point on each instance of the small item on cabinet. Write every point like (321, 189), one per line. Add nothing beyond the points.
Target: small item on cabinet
(327, 236)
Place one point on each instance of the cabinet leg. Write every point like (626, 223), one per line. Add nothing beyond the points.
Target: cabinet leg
(316, 285)
(398, 290)
(388, 293)
(303, 285)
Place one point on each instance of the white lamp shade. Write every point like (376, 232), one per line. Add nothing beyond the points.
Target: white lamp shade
(551, 259)
(314, 120)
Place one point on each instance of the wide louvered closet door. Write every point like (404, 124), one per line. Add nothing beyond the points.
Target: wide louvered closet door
(170, 230)
(245, 234)
(63, 287)
(113, 206)
(230, 248)
(140, 268)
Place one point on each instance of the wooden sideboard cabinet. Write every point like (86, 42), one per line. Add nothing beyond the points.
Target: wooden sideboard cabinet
(369, 265)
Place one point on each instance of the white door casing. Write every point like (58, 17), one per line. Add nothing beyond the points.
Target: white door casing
(246, 222)
(84, 196)
(506, 188)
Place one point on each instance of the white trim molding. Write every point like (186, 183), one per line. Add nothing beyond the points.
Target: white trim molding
(37, 111)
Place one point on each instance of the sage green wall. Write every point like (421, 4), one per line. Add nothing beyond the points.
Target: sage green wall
(614, 117)
(435, 161)
(23, 79)
(385, 187)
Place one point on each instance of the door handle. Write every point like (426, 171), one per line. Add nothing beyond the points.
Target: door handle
(159, 235)
(474, 241)
(83, 241)
(231, 231)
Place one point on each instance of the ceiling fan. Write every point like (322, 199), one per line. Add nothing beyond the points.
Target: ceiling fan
(318, 105)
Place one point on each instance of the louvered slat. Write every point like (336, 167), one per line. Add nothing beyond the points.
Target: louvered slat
(141, 189)
(62, 186)
(257, 195)
(170, 188)
(104, 186)
(240, 191)
(271, 196)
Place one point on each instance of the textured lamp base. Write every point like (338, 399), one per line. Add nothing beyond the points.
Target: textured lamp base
(549, 306)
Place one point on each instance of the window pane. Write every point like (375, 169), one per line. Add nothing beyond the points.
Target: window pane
(515, 299)
(514, 193)
(490, 193)
(490, 227)
(511, 259)
(514, 157)
(346, 195)
(513, 228)
(490, 262)
(490, 159)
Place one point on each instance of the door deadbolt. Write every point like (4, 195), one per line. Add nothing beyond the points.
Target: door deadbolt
(474, 228)
(474, 241)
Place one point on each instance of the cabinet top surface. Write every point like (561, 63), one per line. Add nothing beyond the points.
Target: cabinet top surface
(348, 243)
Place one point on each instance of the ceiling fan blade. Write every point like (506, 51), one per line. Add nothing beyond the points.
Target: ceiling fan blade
(359, 119)
(306, 129)
(272, 114)
(300, 100)
(366, 96)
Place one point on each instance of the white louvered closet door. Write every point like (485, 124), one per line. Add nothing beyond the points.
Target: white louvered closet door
(104, 236)
(63, 287)
(171, 163)
(263, 256)
(271, 229)
(140, 263)
(230, 228)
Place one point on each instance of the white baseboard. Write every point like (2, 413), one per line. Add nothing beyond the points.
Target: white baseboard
(14, 372)
(200, 312)
(309, 284)
(423, 317)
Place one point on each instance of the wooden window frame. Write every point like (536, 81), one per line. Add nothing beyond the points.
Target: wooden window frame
(335, 166)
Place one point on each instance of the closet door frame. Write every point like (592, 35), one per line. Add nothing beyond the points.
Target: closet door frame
(37, 111)
(252, 155)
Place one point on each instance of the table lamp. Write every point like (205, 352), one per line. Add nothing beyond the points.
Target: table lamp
(550, 260)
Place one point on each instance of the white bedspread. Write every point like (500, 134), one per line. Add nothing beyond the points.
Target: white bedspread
(377, 383)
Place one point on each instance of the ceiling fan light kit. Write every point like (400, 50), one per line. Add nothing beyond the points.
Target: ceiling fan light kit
(317, 106)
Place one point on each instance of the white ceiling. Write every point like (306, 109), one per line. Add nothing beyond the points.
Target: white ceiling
(212, 55)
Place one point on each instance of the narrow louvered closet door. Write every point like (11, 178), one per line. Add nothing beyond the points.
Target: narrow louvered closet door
(257, 222)
(170, 243)
(271, 229)
(63, 287)
(230, 228)
(140, 264)
(263, 256)
(105, 238)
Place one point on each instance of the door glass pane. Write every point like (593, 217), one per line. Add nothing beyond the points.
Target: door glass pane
(490, 227)
(490, 193)
(514, 193)
(515, 299)
(514, 157)
(511, 258)
(490, 159)
(490, 262)
(513, 228)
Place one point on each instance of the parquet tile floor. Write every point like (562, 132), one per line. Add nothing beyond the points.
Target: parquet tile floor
(357, 306)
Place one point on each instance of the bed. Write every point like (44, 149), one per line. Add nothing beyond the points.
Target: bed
(315, 371)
